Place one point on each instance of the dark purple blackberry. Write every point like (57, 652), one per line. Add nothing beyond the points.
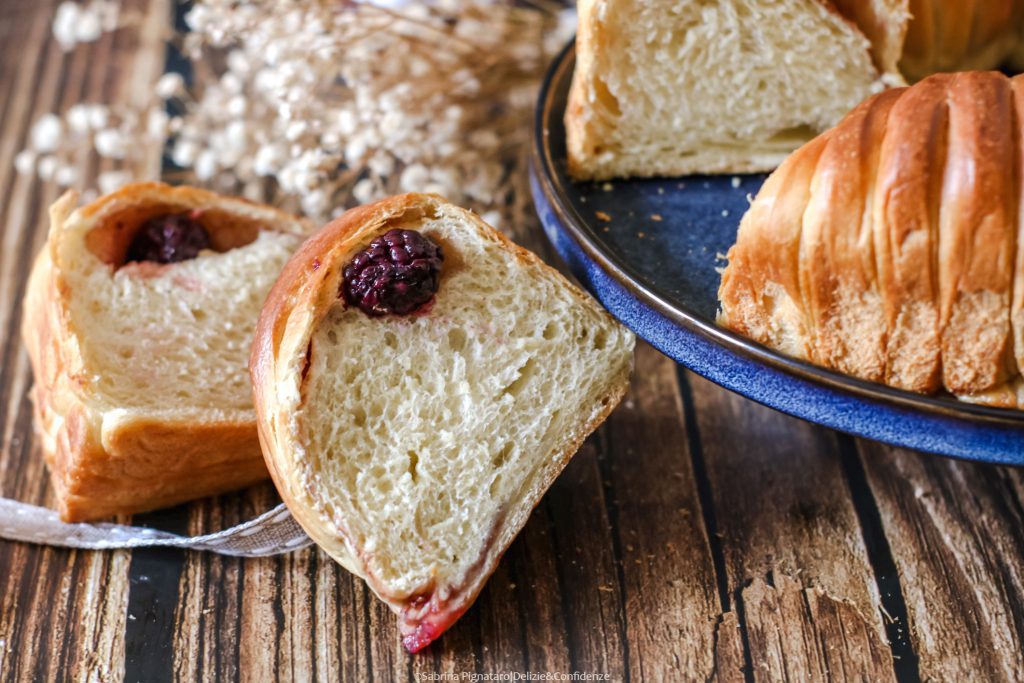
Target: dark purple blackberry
(168, 239)
(398, 273)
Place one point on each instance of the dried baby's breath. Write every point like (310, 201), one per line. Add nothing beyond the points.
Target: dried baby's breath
(75, 23)
(318, 106)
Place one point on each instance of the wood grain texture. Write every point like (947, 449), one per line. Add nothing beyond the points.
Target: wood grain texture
(799, 633)
(696, 536)
(960, 531)
(62, 613)
(672, 605)
(785, 522)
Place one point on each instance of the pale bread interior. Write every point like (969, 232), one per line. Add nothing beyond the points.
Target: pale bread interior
(171, 340)
(428, 438)
(713, 85)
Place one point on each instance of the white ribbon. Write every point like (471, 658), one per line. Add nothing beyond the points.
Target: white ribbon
(272, 533)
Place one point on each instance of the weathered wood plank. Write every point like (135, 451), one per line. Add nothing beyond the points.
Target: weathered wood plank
(783, 515)
(501, 624)
(533, 567)
(208, 615)
(668, 573)
(615, 572)
(805, 634)
(63, 613)
(586, 554)
(730, 664)
(957, 535)
(29, 637)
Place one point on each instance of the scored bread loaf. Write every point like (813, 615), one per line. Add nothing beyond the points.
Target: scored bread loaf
(887, 248)
(412, 448)
(961, 35)
(142, 395)
(665, 88)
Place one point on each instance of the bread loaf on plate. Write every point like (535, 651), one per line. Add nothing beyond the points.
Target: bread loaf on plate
(889, 247)
(672, 88)
(669, 88)
(139, 315)
(414, 406)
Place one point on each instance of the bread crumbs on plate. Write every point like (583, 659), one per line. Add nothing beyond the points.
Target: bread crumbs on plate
(656, 217)
(602, 216)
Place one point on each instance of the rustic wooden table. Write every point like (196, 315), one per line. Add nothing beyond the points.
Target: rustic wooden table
(695, 536)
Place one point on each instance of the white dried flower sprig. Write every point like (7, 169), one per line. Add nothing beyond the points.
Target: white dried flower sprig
(56, 143)
(75, 23)
(323, 105)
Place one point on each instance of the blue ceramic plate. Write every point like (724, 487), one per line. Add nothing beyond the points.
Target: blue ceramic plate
(649, 249)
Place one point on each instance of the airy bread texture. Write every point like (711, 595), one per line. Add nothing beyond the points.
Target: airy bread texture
(413, 448)
(887, 248)
(709, 86)
(715, 86)
(142, 392)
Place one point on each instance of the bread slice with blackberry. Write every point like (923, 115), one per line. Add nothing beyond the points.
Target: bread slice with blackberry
(139, 315)
(420, 381)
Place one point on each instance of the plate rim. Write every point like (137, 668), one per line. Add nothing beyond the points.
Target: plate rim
(550, 183)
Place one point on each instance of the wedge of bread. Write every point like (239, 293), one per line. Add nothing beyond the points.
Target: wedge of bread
(704, 87)
(412, 448)
(664, 88)
(142, 395)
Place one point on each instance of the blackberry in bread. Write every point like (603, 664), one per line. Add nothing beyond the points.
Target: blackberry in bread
(412, 442)
(139, 314)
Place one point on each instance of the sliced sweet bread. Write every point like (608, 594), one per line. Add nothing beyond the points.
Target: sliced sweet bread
(420, 382)
(139, 314)
(669, 88)
(664, 88)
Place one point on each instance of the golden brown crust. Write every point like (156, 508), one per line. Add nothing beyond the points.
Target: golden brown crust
(977, 234)
(908, 241)
(957, 35)
(582, 120)
(908, 195)
(760, 290)
(1017, 303)
(836, 261)
(305, 291)
(103, 461)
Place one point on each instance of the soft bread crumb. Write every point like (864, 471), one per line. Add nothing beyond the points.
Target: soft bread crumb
(425, 432)
(710, 85)
(161, 339)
